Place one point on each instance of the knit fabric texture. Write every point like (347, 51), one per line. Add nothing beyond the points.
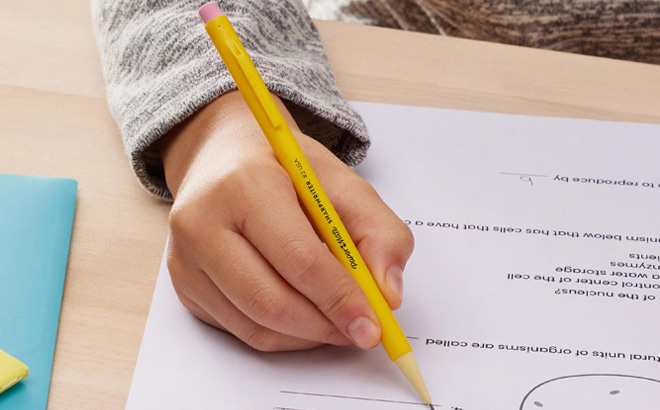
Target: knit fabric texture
(160, 67)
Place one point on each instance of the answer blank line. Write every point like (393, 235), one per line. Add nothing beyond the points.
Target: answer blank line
(524, 175)
(337, 396)
(287, 408)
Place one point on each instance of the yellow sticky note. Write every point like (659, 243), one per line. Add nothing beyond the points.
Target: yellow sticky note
(12, 371)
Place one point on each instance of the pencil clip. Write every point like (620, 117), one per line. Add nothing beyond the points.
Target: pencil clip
(256, 83)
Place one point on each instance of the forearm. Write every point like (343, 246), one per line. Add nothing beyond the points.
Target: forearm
(160, 68)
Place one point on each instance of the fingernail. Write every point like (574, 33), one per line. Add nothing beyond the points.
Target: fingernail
(364, 332)
(394, 280)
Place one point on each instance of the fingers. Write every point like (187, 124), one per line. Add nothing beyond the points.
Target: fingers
(264, 275)
(384, 241)
(204, 300)
(285, 237)
(259, 292)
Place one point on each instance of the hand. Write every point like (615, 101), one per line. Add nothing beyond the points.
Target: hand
(243, 256)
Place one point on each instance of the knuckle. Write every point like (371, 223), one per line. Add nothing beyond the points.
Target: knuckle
(280, 181)
(339, 302)
(406, 238)
(185, 300)
(234, 182)
(300, 261)
(366, 190)
(260, 338)
(253, 177)
(189, 304)
(176, 219)
(332, 334)
(192, 207)
(177, 272)
(364, 220)
(182, 224)
(265, 307)
(243, 187)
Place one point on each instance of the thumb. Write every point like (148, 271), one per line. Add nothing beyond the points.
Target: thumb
(386, 251)
(384, 241)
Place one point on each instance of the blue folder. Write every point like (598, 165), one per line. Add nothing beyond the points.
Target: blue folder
(36, 216)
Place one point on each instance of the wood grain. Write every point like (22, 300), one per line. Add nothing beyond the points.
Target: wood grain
(384, 65)
(54, 122)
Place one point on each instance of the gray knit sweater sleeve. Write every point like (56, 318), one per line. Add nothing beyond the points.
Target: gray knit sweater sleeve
(160, 67)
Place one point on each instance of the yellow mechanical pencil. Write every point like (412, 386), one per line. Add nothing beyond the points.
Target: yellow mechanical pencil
(307, 186)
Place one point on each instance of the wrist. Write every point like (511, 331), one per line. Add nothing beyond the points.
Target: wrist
(182, 145)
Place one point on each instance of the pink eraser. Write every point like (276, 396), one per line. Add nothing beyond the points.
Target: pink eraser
(209, 11)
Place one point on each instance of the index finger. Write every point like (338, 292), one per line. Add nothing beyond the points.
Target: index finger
(284, 236)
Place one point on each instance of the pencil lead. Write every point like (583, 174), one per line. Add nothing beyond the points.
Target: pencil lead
(431, 406)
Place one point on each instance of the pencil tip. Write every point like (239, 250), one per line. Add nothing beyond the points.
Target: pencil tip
(408, 367)
(431, 406)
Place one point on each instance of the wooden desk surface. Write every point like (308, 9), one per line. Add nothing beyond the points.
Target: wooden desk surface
(54, 122)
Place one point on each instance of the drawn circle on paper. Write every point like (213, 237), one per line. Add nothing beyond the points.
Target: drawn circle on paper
(598, 390)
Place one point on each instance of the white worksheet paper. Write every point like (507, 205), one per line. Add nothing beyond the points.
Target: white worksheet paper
(535, 281)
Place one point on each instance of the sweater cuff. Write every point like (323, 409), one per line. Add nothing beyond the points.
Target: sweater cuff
(161, 67)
